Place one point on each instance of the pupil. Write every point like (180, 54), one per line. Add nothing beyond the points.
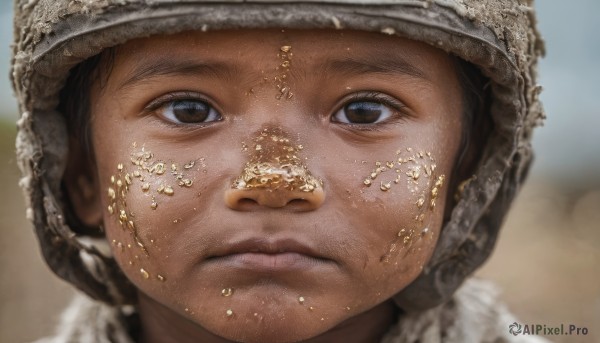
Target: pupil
(363, 112)
(190, 111)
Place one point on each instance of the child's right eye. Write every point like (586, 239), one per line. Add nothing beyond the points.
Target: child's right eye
(183, 108)
(188, 112)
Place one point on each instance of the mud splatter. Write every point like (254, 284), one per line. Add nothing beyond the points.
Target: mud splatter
(417, 169)
(275, 164)
(284, 90)
(144, 168)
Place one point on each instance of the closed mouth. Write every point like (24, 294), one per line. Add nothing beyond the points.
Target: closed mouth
(261, 254)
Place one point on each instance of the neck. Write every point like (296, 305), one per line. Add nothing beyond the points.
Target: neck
(161, 324)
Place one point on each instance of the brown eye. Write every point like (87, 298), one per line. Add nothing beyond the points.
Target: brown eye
(363, 112)
(189, 112)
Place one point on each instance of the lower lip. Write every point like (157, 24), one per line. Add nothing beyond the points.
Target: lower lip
(269, 263)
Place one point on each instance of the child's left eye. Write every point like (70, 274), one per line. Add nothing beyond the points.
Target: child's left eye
(188, 112)
(363, 112)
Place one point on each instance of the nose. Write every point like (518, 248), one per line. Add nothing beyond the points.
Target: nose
(275, 177)
(280, 198)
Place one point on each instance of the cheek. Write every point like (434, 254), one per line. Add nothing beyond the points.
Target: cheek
(394, 206)
(144, 194)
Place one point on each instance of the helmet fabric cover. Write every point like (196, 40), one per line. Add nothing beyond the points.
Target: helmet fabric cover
(498, 36)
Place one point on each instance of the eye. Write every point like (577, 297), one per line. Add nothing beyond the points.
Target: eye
(363, 112)
(188, 112)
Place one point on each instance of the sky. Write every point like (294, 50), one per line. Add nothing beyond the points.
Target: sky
(568, 146)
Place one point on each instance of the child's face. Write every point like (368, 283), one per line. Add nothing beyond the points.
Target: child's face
(270, 185)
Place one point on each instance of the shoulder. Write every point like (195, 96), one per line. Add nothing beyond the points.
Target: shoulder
(86, 320)
(475, 314)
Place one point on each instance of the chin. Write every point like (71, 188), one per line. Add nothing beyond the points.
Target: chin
(280, 326)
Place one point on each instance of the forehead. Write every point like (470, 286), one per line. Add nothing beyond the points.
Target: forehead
(257, 50)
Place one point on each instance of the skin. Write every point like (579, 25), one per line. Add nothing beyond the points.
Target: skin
(345, 284)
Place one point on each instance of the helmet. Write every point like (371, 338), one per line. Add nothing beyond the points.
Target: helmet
(499, 37)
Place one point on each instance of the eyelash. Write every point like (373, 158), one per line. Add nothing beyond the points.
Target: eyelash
(166, 99)
(374, 96)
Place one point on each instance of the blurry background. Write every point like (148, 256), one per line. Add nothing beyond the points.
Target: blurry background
(547, 261)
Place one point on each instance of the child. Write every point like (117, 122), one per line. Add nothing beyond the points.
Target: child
(275, 172)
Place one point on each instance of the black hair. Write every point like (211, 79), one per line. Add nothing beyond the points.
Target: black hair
(75, 102)
(477, 123)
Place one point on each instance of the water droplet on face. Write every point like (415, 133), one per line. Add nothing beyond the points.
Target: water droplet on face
(186, 183)
(160, 278)
(385, 186)
(144, 273)
(301, 300)
(158, 168)
(229, 313)
(227, 292)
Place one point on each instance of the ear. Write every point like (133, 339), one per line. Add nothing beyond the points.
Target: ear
(82, 186)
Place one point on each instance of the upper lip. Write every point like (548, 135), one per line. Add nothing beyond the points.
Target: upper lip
(264, 245)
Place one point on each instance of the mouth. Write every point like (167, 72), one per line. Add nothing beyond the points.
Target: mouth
(264, 255)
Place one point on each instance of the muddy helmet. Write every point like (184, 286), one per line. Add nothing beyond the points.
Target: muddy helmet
(498, 37)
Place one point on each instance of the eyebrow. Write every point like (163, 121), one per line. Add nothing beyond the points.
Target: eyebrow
(374, 65)
(165, 66)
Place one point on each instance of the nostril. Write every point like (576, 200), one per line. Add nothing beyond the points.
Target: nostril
(247, 200)
(245, 204)
(298, 204)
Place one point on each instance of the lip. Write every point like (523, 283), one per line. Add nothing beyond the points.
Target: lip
(265, 255)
